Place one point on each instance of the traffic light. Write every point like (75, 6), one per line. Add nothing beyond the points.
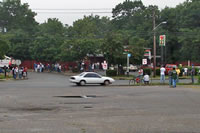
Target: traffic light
(162, 40)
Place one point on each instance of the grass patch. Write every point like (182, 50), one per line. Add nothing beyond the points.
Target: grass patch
(165, 84)
(125, 77)
(3, 77)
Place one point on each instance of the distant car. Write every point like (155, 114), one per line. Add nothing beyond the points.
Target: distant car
(169, 67)
(91, 78)
(131, 68)
(1, 70)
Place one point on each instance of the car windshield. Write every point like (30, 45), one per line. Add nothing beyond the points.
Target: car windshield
(81, 74)
(98, 75)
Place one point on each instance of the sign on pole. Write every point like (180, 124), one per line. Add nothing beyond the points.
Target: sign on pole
(162, 40)
(147, 52)
(105, 65)
(144, 61)
(18, 62)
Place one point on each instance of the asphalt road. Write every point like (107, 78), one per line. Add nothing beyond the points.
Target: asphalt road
(48, 103)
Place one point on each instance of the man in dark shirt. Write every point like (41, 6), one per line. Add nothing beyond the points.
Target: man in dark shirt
(192, 73)
(174, 77)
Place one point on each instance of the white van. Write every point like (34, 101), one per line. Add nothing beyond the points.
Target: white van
(5, 61)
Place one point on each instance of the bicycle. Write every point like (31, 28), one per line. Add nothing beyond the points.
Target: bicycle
(135, 79)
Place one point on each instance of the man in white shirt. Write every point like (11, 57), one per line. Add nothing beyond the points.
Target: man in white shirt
(185, 71)
(162, 75)
(146, 79)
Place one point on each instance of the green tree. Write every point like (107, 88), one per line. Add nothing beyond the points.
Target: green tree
(3, 46)
(20, 25)
(128, 15)
(113, 48)
(136, 48)
(14, 15)
(78, 49)
(182, 31)
(46, 46)
(135, 21)
(19, 45)
(84, 38)
(90, 26)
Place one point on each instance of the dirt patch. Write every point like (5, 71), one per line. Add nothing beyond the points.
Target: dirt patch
(32, 109)
(83, 96)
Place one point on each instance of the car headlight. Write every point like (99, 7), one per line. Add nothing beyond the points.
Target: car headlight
(73, 78)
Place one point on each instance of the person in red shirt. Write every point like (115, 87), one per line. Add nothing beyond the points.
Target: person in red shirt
(25, 73)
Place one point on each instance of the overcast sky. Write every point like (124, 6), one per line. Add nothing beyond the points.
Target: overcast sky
(73, 15)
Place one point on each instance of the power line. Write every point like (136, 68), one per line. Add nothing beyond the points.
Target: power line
(74, 12)
(72, 9)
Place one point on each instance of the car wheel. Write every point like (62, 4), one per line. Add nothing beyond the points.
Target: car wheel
(82, 82)
(106, 82)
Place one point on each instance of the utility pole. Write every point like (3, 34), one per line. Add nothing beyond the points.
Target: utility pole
(154, 45)
(154, 42)
(127, 64)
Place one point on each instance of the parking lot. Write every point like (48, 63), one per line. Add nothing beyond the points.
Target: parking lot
(48, 103)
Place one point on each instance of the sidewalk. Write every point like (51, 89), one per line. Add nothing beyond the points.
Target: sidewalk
(154, 81)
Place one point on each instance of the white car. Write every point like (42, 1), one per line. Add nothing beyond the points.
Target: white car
(91, 78)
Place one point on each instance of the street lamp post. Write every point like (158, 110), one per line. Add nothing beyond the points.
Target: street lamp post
(154, 43)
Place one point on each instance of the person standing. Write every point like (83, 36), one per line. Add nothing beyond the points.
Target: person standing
(146, 78)
(14, 72)
(42, 67)
(170, 78)
(162, 74)
(17, 71)
(185, 71)
(192, 73)
(20, 73)
(174, 77)
(38, 68)
(35, 67)
(140, 74)
(59, 67)
(178, 72)
(93, 67)
(25, 73)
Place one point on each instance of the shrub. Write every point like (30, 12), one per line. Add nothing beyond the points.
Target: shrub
(147, 70)
(199, 79)
(181, 71)
(75, 70)
(196, 71)
(157, 71)
(111, 73)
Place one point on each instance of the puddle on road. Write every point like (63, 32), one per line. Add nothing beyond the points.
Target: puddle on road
(88, 107)
(83, 96)
(32, 109)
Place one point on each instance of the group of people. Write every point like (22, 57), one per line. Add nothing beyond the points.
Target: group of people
(38, 67)
(41, 67)
(19, 73)
(145, 78)
(174, 75)
(91, 66)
